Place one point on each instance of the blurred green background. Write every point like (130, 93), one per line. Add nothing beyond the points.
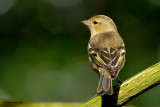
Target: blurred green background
(43, 47)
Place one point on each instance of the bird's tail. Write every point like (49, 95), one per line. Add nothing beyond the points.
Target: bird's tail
(105, 84)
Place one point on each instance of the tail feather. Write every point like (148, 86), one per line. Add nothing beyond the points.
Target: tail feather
(100, 85)
(110, 88)
(105, 85)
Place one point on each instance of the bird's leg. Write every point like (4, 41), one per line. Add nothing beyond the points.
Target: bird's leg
(119, 81)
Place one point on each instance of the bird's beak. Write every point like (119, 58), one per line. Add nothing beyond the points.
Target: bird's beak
(86, 22)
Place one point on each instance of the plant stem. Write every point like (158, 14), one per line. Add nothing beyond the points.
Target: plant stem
(133, 87)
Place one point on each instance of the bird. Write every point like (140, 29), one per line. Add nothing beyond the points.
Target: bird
(106, 51)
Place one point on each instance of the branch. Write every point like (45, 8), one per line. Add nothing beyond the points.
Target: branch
(133, 87)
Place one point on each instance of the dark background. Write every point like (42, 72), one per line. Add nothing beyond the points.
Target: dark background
(43, 47)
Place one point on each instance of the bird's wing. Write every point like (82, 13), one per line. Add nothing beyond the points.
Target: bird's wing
(112, 59)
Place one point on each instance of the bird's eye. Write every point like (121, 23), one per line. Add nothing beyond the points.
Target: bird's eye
(95, 22)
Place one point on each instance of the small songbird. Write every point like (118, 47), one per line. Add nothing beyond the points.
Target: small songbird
(106, 51)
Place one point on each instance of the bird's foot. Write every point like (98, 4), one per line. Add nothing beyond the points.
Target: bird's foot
(119, 81)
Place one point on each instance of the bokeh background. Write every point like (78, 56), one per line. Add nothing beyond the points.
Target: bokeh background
(43, 47)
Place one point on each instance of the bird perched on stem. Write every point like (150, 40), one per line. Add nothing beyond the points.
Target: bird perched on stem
(106, 51)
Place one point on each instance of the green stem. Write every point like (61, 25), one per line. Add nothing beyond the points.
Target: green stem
(139, 84)
(133, 87)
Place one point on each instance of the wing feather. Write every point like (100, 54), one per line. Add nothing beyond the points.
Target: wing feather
(112, 59)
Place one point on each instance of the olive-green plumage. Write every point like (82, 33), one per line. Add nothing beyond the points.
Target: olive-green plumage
(106, 51)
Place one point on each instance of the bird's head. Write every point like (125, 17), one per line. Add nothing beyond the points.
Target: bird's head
(100, 24)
